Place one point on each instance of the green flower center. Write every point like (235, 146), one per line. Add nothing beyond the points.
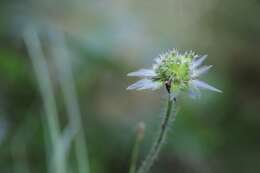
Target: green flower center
(175, 70)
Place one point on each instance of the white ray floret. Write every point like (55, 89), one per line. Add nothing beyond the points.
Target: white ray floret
(145, 84)
(200, 71)
(204, 85)
(194, 92)
(198, 61)
(143, 73)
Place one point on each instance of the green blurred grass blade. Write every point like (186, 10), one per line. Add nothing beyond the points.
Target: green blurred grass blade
(40, 67)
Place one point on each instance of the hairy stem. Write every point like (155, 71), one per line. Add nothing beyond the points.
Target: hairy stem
(160, 138)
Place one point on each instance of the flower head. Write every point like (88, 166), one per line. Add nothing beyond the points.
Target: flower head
(176, 71)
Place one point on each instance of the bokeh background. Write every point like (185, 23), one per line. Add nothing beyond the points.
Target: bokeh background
(69, 59)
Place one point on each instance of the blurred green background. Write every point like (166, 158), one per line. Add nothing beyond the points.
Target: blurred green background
(103, 40)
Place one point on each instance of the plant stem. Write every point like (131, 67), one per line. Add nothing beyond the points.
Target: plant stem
(160, 138)
(135, 151)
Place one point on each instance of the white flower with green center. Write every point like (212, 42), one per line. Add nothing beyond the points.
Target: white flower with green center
(176, 71)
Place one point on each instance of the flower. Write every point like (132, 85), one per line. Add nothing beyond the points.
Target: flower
(176, 71)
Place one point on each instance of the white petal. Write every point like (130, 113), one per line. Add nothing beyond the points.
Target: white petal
(198, 61)
(143, 73)
(158, 60)
(203, 85)
(200, 71)
(194, 93)
(145, 84)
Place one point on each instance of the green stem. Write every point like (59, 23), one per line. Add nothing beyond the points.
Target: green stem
(135, 151)
(159, 140)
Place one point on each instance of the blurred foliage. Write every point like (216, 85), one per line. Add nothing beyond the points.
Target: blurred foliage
(108, 39)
